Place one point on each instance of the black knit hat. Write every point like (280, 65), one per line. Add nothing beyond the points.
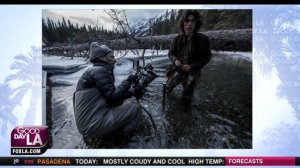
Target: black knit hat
(98, 51)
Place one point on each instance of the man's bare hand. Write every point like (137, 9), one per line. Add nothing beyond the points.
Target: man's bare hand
(178, 63)
(186, 68)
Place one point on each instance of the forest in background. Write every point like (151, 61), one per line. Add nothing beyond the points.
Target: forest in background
(65, 32)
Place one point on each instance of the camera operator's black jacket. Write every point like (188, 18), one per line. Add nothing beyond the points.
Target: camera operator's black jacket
(200, 52)
(101, 76)
(97, 102)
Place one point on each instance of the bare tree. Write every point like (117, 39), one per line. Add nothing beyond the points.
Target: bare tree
(126, 32)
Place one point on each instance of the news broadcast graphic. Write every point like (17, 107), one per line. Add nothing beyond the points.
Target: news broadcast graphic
(150, 161)
(171, 107)
(275, 123)
(29, 140)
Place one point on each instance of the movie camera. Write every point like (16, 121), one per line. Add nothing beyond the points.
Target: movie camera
(145, 76)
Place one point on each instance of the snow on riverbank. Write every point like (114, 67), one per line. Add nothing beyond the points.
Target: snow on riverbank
(57, 60)
(67, 72)
(238, 54)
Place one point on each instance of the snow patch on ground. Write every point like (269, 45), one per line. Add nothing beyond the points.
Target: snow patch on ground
(68, 72)
(238, 54)
(59, 61)
(78, 65)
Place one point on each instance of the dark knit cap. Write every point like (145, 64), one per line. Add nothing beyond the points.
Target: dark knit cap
(98, 51)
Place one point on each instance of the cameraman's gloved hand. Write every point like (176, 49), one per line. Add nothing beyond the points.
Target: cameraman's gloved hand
(132, 78)
(138, 92)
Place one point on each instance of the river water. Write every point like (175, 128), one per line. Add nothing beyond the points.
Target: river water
(218, 116)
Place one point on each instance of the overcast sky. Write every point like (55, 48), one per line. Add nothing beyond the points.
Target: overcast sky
(94, 16)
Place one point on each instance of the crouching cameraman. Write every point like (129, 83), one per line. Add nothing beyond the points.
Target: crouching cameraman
(98, 104)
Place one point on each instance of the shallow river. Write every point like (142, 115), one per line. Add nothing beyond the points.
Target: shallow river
(218, 116)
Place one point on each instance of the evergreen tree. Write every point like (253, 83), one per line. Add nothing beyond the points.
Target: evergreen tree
(64, 32)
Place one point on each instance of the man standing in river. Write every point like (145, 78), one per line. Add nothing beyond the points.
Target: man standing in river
(189, 53)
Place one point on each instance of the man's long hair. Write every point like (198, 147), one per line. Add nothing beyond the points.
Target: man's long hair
(184, 17)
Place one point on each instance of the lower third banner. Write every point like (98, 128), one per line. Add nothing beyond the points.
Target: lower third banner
(155, 161)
